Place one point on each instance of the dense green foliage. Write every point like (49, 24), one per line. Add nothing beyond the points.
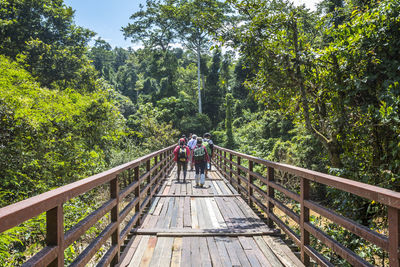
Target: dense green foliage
(42, 36)
(60, 120)
(341, 78)
(50, 137)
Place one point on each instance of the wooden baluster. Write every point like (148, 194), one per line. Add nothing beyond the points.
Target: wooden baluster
(394, 236)
(224, 174)
(249, 182)
(115, 241)
(137, 194)
(162, 169)
(271, 194)
(55, 233)
(220, 159)
(166, 156)
(149, 177)
(238, 171)
(124, 179)
(230, 167)
(130, 176)
(217, 159)
(155, 163)
(166, 164)
(170, 154)
(304, 218)
(157, 170)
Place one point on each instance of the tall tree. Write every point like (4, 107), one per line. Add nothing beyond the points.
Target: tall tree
(42, 35)
(276, 38)
(213, 96)
(228, 121)
(164, 22)
(153, 26)
(191, 20)
(102, 58)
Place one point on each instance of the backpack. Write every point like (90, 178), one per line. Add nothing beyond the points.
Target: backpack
(182, 153)
(199, 153)
(207, 146)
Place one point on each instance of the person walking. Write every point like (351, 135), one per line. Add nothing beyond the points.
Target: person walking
(192, 145)
(181, 156)
(201, 158)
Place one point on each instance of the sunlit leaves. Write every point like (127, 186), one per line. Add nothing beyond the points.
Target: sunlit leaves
(50, 137)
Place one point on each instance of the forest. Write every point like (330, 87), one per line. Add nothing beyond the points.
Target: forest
(315, 89)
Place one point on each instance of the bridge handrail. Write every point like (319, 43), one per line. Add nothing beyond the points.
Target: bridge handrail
(51, 202)
(245, 185)
(376, 193)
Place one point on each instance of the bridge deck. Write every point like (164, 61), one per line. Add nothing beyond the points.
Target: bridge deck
(210, 226)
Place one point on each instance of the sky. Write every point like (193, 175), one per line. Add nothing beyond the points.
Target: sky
(106, 17)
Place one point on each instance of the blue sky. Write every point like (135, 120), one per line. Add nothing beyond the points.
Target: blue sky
(106, 17)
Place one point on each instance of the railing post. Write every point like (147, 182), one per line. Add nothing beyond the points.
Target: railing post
(217, 159)
(220, 159)
(166, 165)
(165, 158)
(162, 169)
(170, 152)
(157, 170)
(230, 167)
(115, 241)
(225, 165)
(137, 194)
(55, 233)
(271, 194)
(249, 182)
(394, 236)
(238, 171)
(130, 176)
(304, 218)
(148, 167)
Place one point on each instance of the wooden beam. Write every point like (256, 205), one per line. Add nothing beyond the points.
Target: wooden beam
(204, 232)
(196, 195)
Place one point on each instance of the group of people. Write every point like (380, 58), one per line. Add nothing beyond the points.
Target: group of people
(196, 151)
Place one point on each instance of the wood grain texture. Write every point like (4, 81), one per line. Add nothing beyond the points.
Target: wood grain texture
(211, 226)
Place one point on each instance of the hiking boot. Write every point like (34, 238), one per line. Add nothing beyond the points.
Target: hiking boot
(201, 185)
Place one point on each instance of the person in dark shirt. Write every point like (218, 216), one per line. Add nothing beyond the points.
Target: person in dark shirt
(182, 154)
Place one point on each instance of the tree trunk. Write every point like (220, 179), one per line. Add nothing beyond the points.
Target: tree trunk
(198, 76)
(334, 152)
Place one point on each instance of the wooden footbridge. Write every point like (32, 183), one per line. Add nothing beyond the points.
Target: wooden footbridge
(240, 217)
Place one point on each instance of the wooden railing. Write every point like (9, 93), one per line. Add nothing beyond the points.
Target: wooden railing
(260, 190)
(141, 178)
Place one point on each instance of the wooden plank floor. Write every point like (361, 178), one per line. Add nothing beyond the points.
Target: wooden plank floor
(210, 226)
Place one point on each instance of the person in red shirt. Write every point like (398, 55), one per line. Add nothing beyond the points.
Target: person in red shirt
(181, 153)
(200, 157)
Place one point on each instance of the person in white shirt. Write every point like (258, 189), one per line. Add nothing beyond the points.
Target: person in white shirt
(192, 144)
